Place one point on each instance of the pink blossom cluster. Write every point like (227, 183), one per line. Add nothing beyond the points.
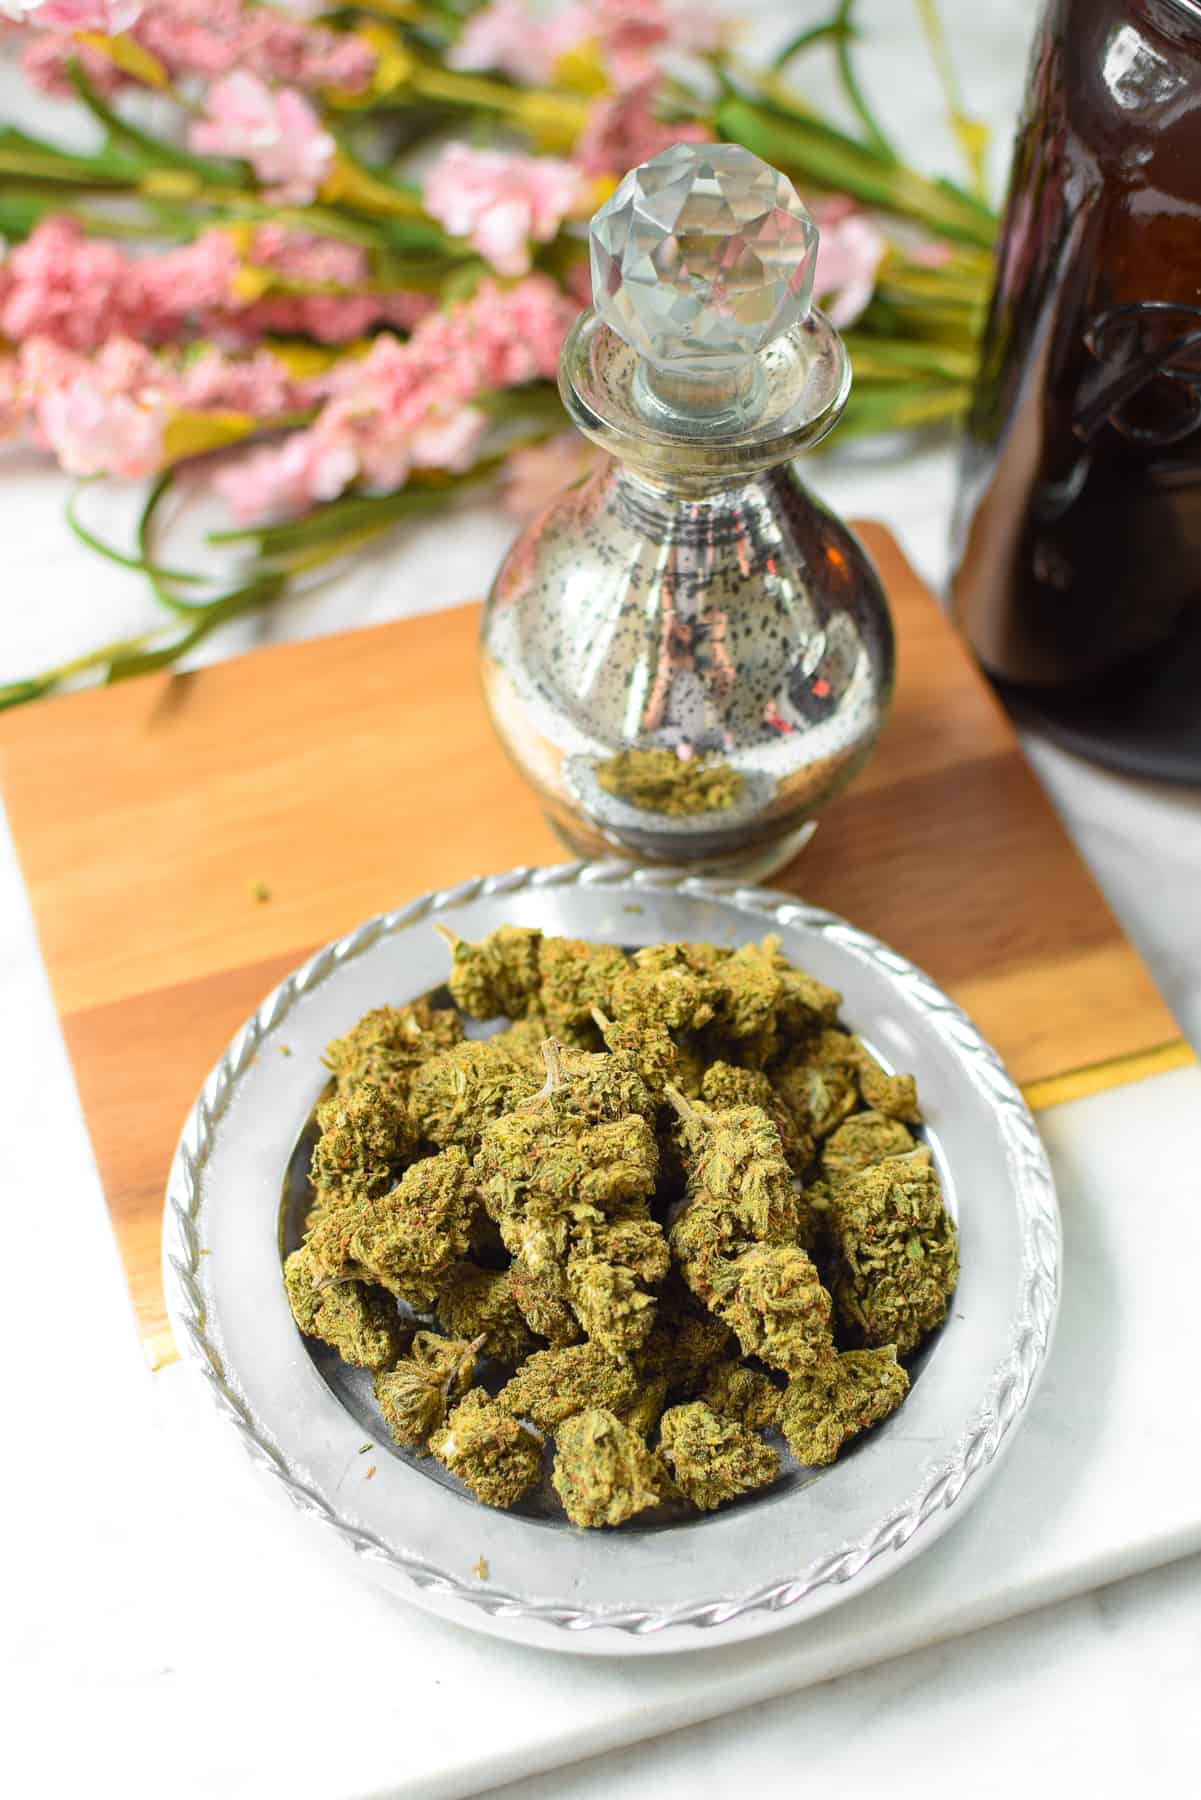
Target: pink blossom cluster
(624, 130)
(108, 16)
(407, 406)
(849, 253)
(275, 130)
(500, 201)
(79, 291)
(210, 38)
(634, 37)
(106, 414)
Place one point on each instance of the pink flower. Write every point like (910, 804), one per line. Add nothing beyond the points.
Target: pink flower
(505, 35)
(848, 258)
(277, 133)
(500, 202)
(106, 413)
(638, 36)
(535, 477)
(107, 16)
(406, 406)
(623, 131)
(105, 417)
(211, 38)
(282, 480)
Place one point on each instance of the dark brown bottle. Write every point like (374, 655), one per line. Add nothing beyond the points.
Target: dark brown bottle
(1078, 527)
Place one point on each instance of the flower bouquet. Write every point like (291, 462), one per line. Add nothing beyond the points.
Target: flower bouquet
(320, 258)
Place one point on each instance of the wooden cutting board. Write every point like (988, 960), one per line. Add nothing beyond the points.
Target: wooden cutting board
(344, 774)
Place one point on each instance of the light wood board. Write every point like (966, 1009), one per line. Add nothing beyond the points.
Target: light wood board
(348, 773)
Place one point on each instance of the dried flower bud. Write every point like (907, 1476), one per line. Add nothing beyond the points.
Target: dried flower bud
(895, 1095)
(406, 1239)
(417, 1394)
(364, 1140)
(713, 1459)
(387, 1045)
(453, 1096)
(668, 993)
(773, 1300)
(551, 1385)
(359, 1322)
(575, 977)
(725, 1086)
(499, 975)
(685, 1343)
(603, 1471)
(497, 1458)
(896, 1256)
(476, 1303)
(542, 1301)
(865, 1138)
(644, 1411)
(648, 1046)
(614, 1310)
(820, 1412)
(746, 1395)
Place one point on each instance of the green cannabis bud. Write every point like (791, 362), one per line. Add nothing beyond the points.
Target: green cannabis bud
(407, 1239)
(773, 1299)
(658, 781)
(713, 1459)
(865, 1138)
(551, 1385)
(686, 1342)
(739, 1185)
(647, 1045)
(364, 1140)
(454, 1095)
(417, 1394)
(359, 1322)
(518, 972)
(498, 975)
(495, 1456)
(478, 1303)
(603, 1471)
(746, 1395)
(820, 1412)
(614, 1310)
(725, 1086)
(820, 1094)
(896, 1256)
(387, 1045)
(543, 1303)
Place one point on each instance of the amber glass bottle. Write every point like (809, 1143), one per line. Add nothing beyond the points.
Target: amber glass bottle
(1078, 527)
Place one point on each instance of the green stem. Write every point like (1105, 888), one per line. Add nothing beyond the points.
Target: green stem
(969, 133)
(151, 151)
(843, 32)
(139, 564)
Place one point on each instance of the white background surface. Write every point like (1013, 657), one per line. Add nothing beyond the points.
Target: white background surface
(164, 1628)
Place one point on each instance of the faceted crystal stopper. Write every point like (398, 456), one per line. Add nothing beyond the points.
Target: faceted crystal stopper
(701, 257)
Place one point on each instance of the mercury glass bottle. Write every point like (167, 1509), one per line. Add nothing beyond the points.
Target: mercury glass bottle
(686, 654)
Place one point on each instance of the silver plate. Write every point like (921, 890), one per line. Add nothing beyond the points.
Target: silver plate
(820, 1536)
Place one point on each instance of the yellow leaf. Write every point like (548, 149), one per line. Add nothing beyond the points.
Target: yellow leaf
(170, 184)
(126, 54)
(249, 283)
(581, 69)
(302, 361)
(553, 121)
(346, 180)
(192, 433)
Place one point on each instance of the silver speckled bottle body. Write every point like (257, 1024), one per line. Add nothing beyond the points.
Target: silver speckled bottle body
(744, 624)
